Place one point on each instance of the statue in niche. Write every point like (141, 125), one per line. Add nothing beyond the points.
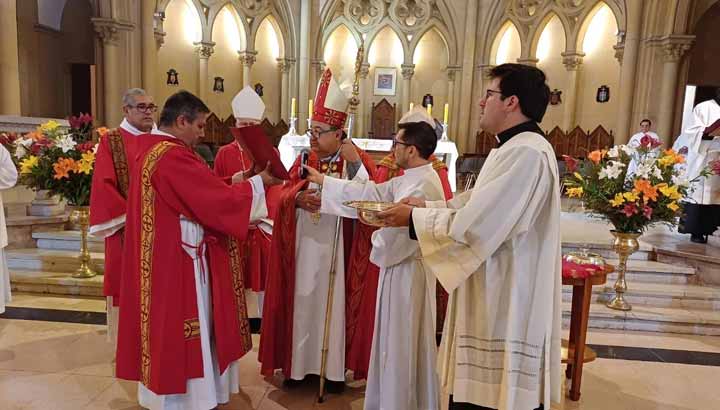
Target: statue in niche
(555, 97)
(259, 89)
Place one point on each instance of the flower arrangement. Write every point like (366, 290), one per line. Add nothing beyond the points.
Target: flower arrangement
(632, 187)
(58, 160)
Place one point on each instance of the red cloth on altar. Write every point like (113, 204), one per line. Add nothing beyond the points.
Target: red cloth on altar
(159, 341)
(579, 270)
(358, 358)
(276, 333)
(108, 195)
(255, 251)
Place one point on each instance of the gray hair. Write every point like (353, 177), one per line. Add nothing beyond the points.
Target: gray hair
(128, 98)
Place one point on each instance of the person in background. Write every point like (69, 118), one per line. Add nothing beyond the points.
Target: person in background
(8, 178)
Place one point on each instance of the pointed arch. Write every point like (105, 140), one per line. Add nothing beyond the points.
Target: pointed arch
(444, 34)
(537, 33)
(371, 53)
(407, 55)
(240, 22)
(330, 30)
(507, 28)
(588, 20)
(276, 30)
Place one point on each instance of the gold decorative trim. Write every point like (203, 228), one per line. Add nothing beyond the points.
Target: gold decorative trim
(119, 156)
(147, 235)
(191, 328)
(237, 261)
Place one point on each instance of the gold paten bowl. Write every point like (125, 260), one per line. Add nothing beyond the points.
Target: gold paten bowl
(585, 258)
(368, 210)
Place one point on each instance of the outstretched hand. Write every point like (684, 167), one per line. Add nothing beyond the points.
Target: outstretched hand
(413, 201)
(397, 215)
(268, 178)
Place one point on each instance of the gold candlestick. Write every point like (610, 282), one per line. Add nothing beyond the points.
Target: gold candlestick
(625, 244)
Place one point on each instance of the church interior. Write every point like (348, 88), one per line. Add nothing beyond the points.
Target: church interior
(610, 65)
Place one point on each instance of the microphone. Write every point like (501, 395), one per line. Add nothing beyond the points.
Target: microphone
(304, 156)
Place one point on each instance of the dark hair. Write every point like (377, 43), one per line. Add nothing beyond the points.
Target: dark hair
(182, 103)
(647, 121)
(527, 83)
(420, 135)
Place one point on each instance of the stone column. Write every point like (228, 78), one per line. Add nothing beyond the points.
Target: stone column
(204, 50)
(673, 48)
(149, 47)
(362, 117)
(451, 74)
(9, 64)
(307, 84)
(572, 62)
(108, 30)
(247, 59)
(627, 54)
(284, 65)
(467, 58)
(408, 70)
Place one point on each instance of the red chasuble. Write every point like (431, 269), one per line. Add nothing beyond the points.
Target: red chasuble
(254, 252)
(358, 358)
(108, 195)
(159, 340)
(276, 333)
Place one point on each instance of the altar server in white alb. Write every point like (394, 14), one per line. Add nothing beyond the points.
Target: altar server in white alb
(496, 250)
(8, 178)
(402, 372)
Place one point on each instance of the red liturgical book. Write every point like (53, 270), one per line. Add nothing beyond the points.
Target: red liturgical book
(254, 140)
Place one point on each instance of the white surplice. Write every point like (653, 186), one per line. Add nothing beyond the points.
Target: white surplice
(402, 374)
(704, 115)
(313, 251)
(8, 178)
(496, 250)
(204, 393)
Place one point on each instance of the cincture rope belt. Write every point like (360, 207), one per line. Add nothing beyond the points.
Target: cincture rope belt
(200, 251)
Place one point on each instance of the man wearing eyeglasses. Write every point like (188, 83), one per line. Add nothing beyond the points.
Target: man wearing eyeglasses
(296, 293)
(109, 191)
(496, 249)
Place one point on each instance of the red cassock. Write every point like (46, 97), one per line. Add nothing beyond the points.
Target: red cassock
(255, 251)
(362, 341)
(110, 183)
(276, 333)
(159, 340)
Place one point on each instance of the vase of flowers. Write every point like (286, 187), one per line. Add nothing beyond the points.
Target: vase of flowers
(632, 188)
(55, 161)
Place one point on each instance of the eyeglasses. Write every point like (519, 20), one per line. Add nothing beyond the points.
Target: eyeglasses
(145, 107)
(396, 143)
(490, 92)
(317, 132)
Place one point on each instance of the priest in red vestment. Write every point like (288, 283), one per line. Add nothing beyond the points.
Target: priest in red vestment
(109, 189)
(232, 162)
(297, 286)
(183, 322)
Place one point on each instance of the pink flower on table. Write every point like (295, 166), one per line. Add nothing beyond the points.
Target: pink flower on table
(649, 142)
(630, 209)
(715, 167)
(570, 163)
(647, 211)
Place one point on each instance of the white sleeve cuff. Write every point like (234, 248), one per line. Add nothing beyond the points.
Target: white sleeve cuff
(258, 209)
(108, 228)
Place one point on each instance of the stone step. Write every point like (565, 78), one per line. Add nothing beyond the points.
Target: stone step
(54, 283)
(66, 240)
(654, 272)
(605, 250)
(651, 319)
(695, 297)
(50, 260)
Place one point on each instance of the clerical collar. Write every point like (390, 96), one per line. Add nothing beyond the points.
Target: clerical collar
(125, 124)
(529, 126)
(419, 170)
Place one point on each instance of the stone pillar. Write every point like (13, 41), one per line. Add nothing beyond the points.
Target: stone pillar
(108, 30)
(627, 54)
(572, 62)
(307, 84)
(247, 59)
(673, 48)
(204, 50)
(451, 74)
(408, 70)
(467, 58)
(284, 65)
(362, 117)
(9, 64)
(149, 47)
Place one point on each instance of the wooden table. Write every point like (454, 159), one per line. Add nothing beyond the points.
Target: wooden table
(575, 354)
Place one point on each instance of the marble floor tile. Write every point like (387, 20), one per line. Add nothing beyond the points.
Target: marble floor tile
(654, 339)
(62, 302)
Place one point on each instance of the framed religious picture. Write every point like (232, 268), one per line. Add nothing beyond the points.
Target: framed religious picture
(385, 80)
